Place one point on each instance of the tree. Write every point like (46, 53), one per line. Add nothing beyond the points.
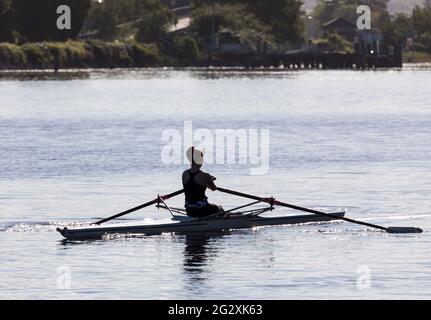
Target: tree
(325, 11)
(6, 23)
(421, 19)
(400, 28)
(36, 20)
(149, 19)
(104, 17)
(283, 17)
(155, 19)
(235, 19)
(5, 6)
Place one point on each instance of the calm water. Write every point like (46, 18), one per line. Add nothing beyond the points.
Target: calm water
(76, 150)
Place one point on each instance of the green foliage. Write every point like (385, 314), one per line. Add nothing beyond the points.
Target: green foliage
(417, 25)
(58, 52)
(12, 55)
(5, 6)
(37, 55)
(184, 48)
(233, 18)
(73, 54)
(154, 22)
(421, 19)
(110, 54)
(325, 11)
(188, 48)
(36, 20)
(280, 18)
(423, 42)
(417, 56)
(149, 17)
(395, 29)
(105, 16)
(334, 42)
(6, 23)
(401, 27)
(76, 50)
(68, 54)
(144, 54)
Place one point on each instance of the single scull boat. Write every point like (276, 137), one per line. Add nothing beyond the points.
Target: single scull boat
(182, 224)
(231, 219)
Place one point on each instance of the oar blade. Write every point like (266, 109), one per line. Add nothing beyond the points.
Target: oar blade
(404, 230)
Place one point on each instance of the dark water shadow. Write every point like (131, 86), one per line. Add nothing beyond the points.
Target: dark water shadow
(43, 75)
(199, 251)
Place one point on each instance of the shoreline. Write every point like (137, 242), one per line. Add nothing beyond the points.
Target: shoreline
(86, 73)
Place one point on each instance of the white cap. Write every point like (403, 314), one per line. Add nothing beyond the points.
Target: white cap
(195, 155)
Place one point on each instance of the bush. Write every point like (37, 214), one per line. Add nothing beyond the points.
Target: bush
(75, 54)
(144, 54)
(58, 52)
(109, 54)
(12, 56)
(155, 20)
(423, 42)
(37, 54)
(187, 48)
(235, 19)
(335, 43)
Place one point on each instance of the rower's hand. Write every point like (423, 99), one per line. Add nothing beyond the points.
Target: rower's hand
(210, 183)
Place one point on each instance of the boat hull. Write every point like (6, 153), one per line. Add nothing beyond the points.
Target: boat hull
(191, 226)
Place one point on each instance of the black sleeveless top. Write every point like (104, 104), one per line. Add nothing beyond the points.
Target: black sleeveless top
(193, 191)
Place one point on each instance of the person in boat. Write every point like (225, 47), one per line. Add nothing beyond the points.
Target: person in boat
(195, 183)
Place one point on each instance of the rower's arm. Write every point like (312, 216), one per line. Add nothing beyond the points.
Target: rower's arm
(210, 183)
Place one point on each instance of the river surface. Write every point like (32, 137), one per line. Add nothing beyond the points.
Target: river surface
(74, 150)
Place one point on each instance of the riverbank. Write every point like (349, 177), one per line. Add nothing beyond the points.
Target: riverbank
(80, 54)
(417, 57)
(180, 51)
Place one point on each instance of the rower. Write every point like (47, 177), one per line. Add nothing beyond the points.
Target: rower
(195, 183)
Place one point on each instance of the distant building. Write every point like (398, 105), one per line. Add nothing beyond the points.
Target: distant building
(340, 26)
(369, 42)
(181, 8)
(226, 41)
(175, 3)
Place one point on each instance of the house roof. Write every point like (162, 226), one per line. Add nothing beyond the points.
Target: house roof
(375, 31)
(338, 22)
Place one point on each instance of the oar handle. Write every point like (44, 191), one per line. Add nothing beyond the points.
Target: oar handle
(149, 203)
(244, 195)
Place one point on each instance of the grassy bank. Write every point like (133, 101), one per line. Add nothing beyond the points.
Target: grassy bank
(79, 54)
(416, 57)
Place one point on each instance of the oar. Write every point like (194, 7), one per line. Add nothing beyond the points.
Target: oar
(283, 204)
(243, 206)
(149, 203)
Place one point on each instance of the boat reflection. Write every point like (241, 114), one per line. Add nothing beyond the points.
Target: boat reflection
(199, 251)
